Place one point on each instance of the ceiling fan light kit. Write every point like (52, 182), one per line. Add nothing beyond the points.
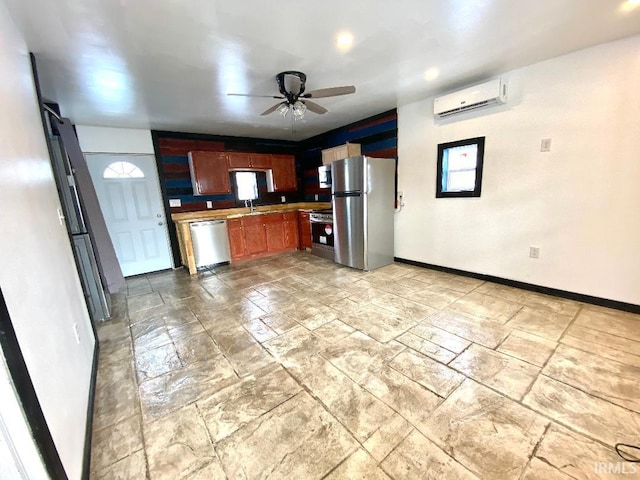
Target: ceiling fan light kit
(291, 85)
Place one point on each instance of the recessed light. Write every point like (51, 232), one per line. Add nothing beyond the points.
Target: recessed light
(630, 5)
(431, 74)
(344, 41)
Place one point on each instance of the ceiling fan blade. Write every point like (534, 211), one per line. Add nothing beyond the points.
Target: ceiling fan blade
(272, 109)
(251, 95)
(314, 107)
(330, 92)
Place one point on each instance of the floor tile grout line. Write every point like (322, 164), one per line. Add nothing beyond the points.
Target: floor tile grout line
(540, 372)
(325, 407)
(532, 455)
(137, 394)
(213, 444)
(339, 464)
(535, 379)
(413, 428)
(608, 347)
(634, 412)
(572, 322)
(555, 421)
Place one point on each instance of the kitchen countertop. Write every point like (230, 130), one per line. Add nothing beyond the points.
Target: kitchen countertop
(183, 221)
(188, 217)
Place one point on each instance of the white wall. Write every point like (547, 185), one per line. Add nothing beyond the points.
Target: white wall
(38, 274)
(580, 203)
(114, 140)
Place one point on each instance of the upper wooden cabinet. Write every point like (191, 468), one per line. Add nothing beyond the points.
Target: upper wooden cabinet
(249, 160)
(341, 151)
(260, 160)
(209, 173)
(210, 170)
(239, 160)
(284, 173)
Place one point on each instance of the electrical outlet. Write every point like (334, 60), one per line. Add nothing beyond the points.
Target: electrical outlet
(545, 145)
(316, 197)
(534, 252)
(209, 204)
(175, 202)
(77, 332)
(401, 198)
(283, 199)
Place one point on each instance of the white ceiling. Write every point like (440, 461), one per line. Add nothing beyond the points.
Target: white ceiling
(168, 64)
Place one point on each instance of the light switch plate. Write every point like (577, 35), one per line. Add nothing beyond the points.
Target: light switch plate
(545, 145)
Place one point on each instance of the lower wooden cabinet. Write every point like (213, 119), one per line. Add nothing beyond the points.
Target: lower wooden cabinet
(290, 230)
(275, 237)
(236, 238)
(304, 230)
(254, 236)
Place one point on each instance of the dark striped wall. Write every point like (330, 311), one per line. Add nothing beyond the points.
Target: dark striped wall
(172, 149)
(377, 135)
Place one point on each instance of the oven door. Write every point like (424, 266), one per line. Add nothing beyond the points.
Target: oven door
(322, 239)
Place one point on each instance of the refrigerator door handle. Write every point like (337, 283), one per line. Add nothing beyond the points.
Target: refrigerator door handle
(355, 193)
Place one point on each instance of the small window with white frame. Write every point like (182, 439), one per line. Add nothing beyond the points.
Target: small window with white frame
(460, 168)
(247, 185)
(122, 169)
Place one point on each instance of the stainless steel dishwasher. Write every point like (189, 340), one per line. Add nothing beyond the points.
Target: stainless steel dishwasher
(210, 242)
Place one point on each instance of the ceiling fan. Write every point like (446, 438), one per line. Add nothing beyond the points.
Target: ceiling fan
(291, 85)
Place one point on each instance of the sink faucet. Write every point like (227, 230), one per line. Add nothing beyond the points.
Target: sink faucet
(249, 203)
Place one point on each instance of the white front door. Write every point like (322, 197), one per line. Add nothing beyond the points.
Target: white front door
(129, 194)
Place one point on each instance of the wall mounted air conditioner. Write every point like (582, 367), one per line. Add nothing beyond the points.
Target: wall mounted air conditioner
(489, 93)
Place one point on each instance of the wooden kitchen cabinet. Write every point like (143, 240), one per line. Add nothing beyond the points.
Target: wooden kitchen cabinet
(290, 228)
(254, 236)
(260, 160)
(304, 230)
(284, 173)
(239, 160)
(249, 160)
(341, 151)
(209, 173)
(236, 238)
(275, 232)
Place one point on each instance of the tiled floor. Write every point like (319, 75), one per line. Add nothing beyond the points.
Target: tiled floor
(294, 367)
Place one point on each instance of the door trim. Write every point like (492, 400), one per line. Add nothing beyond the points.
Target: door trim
(171, 227)
(168, 222)
(27, 395)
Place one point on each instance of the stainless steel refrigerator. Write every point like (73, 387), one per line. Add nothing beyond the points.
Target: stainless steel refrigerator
(363, 195)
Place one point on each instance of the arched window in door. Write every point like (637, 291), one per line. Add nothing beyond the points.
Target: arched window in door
(122, 170)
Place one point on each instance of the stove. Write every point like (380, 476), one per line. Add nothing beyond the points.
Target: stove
(322, 233)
